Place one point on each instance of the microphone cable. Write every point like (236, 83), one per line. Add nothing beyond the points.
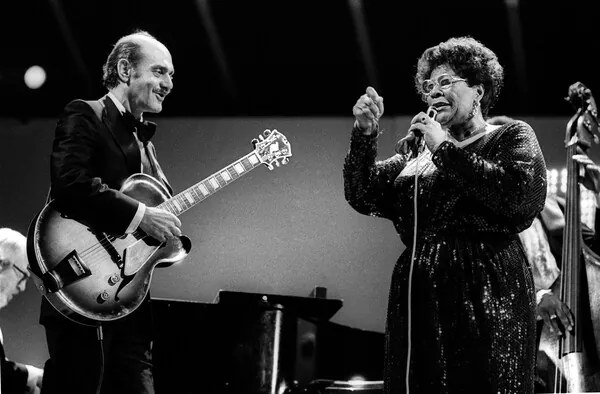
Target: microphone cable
(431, 112)
(410, 274)
(100, 336)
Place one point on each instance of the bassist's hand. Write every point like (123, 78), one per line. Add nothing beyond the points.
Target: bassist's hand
(556, 314)
(160, 224)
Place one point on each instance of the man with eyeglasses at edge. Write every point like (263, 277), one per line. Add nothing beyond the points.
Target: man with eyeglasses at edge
(15, 378)
(461, 303)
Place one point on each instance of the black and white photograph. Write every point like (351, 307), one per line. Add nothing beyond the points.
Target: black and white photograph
(299, 197)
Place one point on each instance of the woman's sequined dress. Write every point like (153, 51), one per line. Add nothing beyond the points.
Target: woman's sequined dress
(472, 309)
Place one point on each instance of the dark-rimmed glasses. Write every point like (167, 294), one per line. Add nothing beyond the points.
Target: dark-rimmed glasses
(24, 275)
(444, 82)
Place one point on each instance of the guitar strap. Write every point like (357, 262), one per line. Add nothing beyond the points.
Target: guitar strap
(97, 106)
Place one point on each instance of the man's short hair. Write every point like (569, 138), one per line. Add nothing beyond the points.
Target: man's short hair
(13, 241)
(11, 238)
(127, 48)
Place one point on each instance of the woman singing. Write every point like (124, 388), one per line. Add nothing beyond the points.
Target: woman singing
(461, 304)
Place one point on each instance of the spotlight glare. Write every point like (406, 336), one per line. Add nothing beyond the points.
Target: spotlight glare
(35, 76)
(357, 381)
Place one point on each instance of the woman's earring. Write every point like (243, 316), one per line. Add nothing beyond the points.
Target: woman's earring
(474, 109)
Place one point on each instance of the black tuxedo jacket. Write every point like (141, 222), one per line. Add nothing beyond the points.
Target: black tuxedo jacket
(91, 158)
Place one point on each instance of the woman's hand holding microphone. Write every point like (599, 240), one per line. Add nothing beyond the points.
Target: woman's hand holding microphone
(423, 125)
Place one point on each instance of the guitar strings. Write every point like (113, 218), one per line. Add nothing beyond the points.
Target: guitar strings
(101, 246)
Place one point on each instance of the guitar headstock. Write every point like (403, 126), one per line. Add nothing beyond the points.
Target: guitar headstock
(272, 148)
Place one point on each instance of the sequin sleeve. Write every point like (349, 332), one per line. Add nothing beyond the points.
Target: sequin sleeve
(510, 180)
(368, 183)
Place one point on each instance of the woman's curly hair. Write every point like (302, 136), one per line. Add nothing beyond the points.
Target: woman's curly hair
(469, 59)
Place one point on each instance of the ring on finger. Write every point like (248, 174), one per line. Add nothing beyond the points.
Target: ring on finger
(552, 317)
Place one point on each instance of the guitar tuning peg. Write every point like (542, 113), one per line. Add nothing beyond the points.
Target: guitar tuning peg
(261, 137)
(277, 163)
(285, 160)
(267, 132)
(270, 167)
(254, 142)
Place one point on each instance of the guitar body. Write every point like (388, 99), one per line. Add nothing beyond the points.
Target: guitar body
(108, 276)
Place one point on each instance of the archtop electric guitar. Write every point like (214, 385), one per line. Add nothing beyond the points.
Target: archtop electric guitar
(92, 277)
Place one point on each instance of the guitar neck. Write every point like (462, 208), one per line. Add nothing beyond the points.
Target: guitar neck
(210, 185)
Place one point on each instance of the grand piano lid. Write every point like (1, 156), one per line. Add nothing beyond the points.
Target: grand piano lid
(305, 307)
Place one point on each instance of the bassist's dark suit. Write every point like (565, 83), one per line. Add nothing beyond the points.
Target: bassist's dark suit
(94, 151)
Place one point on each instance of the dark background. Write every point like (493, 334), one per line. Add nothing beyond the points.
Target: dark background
(295, 58)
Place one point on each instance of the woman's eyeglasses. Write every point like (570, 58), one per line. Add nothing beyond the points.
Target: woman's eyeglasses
(444, 82)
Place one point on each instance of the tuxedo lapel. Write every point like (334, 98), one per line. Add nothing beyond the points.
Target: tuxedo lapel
(123, 136)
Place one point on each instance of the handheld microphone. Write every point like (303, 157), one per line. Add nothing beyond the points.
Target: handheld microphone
(414, 140)
(432, 112)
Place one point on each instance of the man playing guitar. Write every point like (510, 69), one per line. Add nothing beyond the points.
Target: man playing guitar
(97, 146)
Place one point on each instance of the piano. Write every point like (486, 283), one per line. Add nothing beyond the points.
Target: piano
(258, 343)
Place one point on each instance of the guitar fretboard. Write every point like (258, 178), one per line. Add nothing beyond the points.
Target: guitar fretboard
(210, 185)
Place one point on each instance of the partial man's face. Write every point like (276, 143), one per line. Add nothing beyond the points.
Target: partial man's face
(152, 79)
(13, 274)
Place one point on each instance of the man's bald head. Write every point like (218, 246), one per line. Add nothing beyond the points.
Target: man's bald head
(129, 48)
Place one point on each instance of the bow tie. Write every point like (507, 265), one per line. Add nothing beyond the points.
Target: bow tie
(145, 130)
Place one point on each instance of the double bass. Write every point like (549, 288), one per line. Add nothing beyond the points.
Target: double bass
(576, 354)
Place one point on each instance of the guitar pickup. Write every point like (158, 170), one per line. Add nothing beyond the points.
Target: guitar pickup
(68, 270)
